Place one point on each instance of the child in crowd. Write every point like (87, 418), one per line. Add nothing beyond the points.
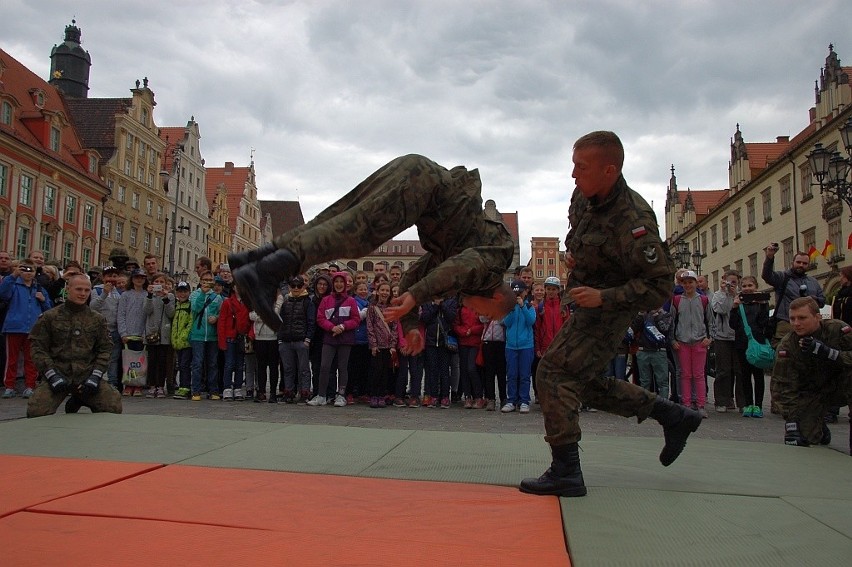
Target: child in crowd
(691, 340)
(519, 351)
(437, 317)
(359, 356)
(181, 324)
(232, 329)
(757, 315)
(205, 303)
(382, 337)
(298, 314)
(159, 312)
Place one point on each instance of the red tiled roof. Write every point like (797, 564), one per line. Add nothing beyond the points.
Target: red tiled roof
(284, 215)
(704, 200)
(761, 154)
(234, 180)
(17, 83)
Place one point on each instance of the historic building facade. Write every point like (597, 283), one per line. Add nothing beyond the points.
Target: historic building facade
(244, 218)
(185, 177)
(771, 197)
(51, 197)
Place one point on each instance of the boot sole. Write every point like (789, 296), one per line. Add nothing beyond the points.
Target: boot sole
(565, 493)
(691, 422)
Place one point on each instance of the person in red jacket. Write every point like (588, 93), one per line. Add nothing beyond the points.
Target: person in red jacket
(468, 330)
(550, 317)
(231, 329)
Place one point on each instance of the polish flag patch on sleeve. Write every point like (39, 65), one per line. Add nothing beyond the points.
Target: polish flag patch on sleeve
(639, 232)
(846, 330)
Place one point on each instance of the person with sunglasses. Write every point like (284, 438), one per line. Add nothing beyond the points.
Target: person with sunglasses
(27, 300)
(299, 317)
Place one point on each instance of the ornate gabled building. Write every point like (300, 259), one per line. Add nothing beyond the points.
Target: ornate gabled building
(772, 197)
(244, 210)
(218, 233)
(185, 181)
(51, 197)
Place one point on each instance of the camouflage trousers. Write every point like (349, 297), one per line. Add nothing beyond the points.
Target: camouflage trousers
(45, 401)
(570, 375)
(389, 201)
(808, 405)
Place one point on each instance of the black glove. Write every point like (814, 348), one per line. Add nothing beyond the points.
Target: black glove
(792, 435)
(818, 349)
(90, 386)
(237, 259)
(57, 382)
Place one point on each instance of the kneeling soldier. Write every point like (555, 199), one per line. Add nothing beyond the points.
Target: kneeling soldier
(71, 348)
(812, 373)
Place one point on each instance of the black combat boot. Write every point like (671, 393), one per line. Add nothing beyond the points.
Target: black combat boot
(563, 478)
(258, 283)
(678, 422)
(826, 435)
(792, 435)
(73, 404)
(240, 259)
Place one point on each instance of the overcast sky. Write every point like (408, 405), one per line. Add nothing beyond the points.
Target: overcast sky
(328, 91)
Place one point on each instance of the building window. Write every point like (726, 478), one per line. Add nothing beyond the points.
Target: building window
(67, 252)
(46, 244)
(738, 223)
(71, 209)
(146, 242)
(752, 265)
(128, 167)
(714, 238)
(55, 138)
(789, 251)
(4, 179)
(89, 216)
(143, 117)
(157, 244)
(122, 194)
(22, 242)
(738, 266)
(106, 223)
(134, 200)
(807, 192)
(119, 231)
(133, 232)
(551, 261)
(539, 261)
(140, 174)
(835, 236)
(149, 207)
(93, 163)
(750, 215)
(26, 195)
(159, 212)
(724, 231)
(87, 259)
(6, 113)
(49, 200)
(809, 239)
(539, 273)
(766, 197)
(786, 194)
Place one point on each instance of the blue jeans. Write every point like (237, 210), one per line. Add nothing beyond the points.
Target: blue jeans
(235, 363)
(114, 369)
(518, 370)
(437, 372)
(184, 366)
(204, 366)
(654, 369)
(617, 367)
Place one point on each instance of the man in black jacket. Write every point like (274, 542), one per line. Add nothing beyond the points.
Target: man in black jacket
(298, 319)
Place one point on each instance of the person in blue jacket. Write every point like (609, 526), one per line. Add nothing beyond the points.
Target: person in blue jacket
(519, 325)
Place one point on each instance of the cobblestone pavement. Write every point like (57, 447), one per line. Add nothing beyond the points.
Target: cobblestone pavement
(721, 426)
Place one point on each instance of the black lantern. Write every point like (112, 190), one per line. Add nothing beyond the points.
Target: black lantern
(831, 170)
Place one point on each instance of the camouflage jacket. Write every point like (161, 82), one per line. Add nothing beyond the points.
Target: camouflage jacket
(71, 339)
(617, 249)
(796, 372)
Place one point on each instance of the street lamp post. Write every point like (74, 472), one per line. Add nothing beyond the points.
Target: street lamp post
(697, 256)
(682, 253)
(177, 153)
(831, 171)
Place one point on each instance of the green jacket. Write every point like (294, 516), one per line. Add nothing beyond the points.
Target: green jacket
(181, 324)
(204, 305)
(72, 340)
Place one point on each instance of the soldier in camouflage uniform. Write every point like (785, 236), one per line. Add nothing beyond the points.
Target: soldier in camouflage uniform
(812, 373)
(465, 252)
(619, 267)
(71, 348)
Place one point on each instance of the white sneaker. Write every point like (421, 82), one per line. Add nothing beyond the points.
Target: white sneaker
(339, 401)
(228, 395)
(316, 401)
(239, 394)
(525, 408)
(508, 408)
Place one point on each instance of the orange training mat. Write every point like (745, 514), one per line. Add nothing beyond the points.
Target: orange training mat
(28, 481)
(182, 515)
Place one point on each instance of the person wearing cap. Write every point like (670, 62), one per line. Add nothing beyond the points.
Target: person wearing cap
(466, 252)
(94, 274)
(692, 326)
(181, 325)
(550, 316)
(104, 300)
(298, 322)
(519, 325)
(618, 266)
(130, 321)
(131, 266)
(27, 300)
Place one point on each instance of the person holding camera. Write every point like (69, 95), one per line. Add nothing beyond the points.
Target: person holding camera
(726, 375)
(789, 284)
(519, 350)
(159, 312)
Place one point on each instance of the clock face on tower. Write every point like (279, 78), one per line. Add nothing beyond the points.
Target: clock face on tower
(57, 74)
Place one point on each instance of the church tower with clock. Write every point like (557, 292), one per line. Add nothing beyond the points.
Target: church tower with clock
(69, 64)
